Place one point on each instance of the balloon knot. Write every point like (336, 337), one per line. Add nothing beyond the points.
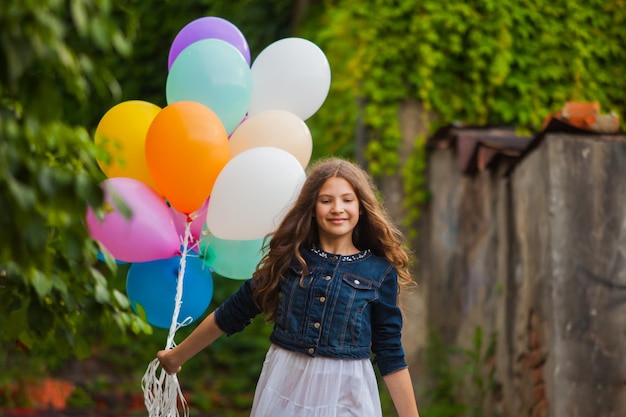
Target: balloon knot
(189, 219)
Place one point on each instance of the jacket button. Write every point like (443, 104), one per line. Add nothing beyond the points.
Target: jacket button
(316, 325)
(335, 257)
(327, 277)
(322, 299)
(357, 282)
(311, 351)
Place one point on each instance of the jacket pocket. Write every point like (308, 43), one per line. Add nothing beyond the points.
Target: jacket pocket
(353, 302)
(357, 283)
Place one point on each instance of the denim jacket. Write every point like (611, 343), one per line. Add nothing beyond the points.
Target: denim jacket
(346, 307)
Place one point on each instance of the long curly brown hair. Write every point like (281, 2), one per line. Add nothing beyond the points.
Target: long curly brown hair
(374, 231)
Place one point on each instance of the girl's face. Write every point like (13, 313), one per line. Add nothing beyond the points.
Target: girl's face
(336, 210)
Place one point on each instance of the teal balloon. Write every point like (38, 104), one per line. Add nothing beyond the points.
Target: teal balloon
(214, 73)
(234, 259)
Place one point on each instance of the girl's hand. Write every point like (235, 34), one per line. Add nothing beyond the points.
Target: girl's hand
(168, 361)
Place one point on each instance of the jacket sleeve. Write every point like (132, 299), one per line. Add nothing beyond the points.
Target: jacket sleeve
(238, 310)
(387, 327)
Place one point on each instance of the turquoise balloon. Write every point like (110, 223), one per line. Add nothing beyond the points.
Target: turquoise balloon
(234, 259)
(214, 73)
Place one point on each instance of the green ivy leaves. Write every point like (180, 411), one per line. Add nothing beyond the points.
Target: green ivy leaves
(482, 62)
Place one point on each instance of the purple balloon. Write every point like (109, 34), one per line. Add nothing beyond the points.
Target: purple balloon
(209, 27)
(147, 235)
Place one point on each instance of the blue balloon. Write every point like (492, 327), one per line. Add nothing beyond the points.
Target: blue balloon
(214, 73)
(151, 289)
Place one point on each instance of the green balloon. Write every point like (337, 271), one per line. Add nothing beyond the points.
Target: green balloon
(234, 259)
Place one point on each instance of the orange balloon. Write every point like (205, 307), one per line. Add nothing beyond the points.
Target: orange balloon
(186, 148)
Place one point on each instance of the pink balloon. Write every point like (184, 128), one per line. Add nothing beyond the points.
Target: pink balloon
(146, 235)
(197, 222)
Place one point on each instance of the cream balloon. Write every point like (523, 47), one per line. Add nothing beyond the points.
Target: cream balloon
(277, 128)
(253, 192)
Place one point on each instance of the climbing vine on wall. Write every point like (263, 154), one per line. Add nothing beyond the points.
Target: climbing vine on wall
(478, 62)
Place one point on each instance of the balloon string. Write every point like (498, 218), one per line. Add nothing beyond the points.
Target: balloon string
(162, 394)
(179, 286)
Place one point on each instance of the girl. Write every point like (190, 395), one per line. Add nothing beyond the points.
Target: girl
(329, 282)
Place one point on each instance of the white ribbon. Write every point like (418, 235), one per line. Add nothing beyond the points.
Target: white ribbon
(163, 394)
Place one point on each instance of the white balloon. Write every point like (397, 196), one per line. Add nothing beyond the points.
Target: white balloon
(290, 74)
(253, 192)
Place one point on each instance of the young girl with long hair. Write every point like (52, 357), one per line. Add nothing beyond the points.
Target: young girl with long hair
(329, 283)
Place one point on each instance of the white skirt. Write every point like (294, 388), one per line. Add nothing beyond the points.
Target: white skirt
(295, 385)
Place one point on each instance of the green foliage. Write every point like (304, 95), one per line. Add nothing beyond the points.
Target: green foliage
(483, 62)
(441, 398)
(462, 379)
(415, 192)
(480, 369)
(52, 293)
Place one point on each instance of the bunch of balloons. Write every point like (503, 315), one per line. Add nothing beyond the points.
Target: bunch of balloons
(194, 187)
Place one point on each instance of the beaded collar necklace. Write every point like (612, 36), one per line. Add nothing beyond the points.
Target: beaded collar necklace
(344, 258)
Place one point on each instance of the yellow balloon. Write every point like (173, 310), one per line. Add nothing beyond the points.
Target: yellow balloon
(277, 128)
(122, 133)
